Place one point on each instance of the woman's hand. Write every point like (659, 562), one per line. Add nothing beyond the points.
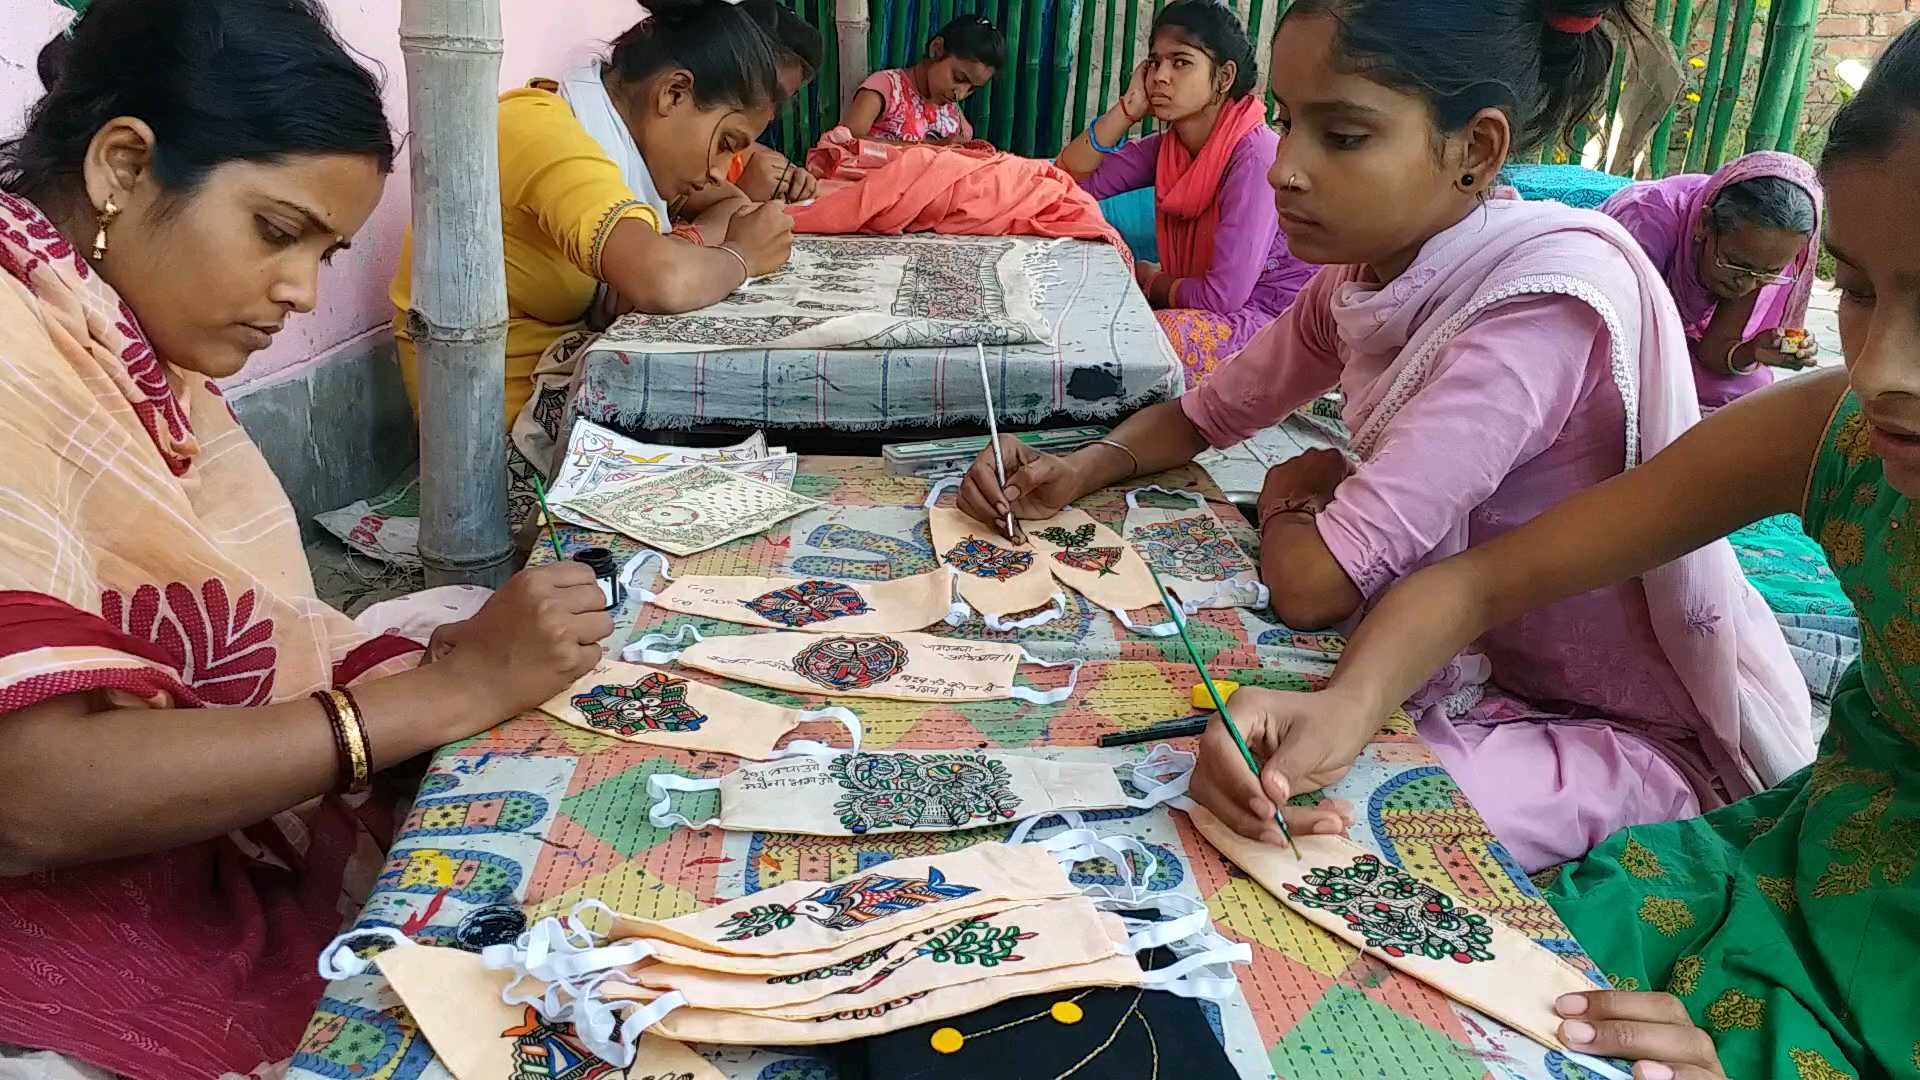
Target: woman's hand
(1651, 1029)
(1038, 485)
(1309, 478)
(1133, 103)
(770, 175)
(1776, 350)
(533, 638)
(763, 235)
(1144, 272)
(1304, 742)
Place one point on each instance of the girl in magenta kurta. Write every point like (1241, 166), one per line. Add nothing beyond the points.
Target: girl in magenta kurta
(1495, 356)
(1225, 268)
(1738, 250)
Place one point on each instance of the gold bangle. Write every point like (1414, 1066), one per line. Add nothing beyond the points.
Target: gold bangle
(746, 274)
(1122, 447)
(359, 751)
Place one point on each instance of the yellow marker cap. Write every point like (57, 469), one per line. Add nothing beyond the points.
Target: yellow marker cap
(1203, 700)
(1066, 1012)
(947, 1041)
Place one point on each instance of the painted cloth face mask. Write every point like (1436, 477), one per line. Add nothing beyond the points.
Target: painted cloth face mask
(1092, 560)
(460, 1005)
(646, 705)
(814, 604)
(926, 791)
(1198, 562)
(1472, 957)
(896, 667)
(996, 577)
(892, 946)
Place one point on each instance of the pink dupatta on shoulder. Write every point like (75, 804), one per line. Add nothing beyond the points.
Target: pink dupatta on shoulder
(1716, 630)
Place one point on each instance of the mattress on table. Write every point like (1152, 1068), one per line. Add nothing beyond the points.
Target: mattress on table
(1108, 357)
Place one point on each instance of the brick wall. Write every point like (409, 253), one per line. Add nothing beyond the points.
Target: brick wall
(1850, 30)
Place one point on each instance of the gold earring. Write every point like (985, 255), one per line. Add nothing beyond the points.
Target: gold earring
(108, 214)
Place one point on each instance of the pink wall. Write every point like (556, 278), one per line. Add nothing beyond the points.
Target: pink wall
(540, 40)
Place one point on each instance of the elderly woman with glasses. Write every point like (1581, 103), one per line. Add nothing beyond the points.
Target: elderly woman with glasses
(1738, 251)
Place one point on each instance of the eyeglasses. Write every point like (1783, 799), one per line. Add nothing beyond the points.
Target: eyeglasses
(1764, 277)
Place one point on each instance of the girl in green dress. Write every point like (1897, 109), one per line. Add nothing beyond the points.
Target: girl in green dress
(1779, 936)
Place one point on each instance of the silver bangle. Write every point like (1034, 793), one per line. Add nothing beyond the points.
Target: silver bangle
(746, 275)
(1122, 447)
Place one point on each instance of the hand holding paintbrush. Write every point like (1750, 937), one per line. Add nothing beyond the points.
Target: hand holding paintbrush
(1330, 816)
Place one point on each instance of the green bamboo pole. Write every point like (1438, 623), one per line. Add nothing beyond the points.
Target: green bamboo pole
(898, 17)
(1127, 61)
(1710, 88)
(1790, 130)
(1026, 118)
(829, 77)
(1737, 39)
(942, 15)
(1682, 38)
(985, 98)
(1108, 60)
(1006, 97)
(1793, 27)
(1065, 14)
(1083, 69)
(876, 39)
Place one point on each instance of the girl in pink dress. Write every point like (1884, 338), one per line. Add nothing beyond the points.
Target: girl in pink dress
(922, 103)
(1494, 357)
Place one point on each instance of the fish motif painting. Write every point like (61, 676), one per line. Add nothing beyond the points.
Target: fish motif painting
(847, 905)
(1078, 550)
(840, 664)
(807, 603)
(550, 1051)
(655, 703)
(983, 559)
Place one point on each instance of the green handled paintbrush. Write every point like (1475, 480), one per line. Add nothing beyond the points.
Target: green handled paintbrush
(1219, 703)
(546, 516)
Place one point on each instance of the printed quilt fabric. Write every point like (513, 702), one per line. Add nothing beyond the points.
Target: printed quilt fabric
(535, 816)
(841, 292)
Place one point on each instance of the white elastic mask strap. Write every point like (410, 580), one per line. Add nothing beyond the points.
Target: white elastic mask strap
(1077, 845)
(1056, 607)
(603, 1030)
(1161, 776)
(1187, 920)
(940, 487)
(1156, 630)
(1190, 977)
(1070, 818)
(810, 748)
(634, 565)
(659, 785)
(1597, 1066)
(339, 961)
(649, 649)
(1048, 697)
(1133, 497)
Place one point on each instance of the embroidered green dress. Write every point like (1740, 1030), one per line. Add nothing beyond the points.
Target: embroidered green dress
(1789, 922)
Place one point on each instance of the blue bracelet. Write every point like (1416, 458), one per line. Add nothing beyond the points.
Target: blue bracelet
(1094, 140)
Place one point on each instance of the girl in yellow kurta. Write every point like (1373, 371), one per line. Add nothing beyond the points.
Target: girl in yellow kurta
(588, 165)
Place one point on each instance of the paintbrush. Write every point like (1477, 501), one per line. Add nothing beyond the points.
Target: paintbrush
(993, 434)
(1219, 703)
(546, 516)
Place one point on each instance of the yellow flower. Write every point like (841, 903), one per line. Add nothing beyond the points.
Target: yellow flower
(1903, 640)
(1686, 975)
(1640, 861)
(1812, 1066)
(1736, 1009)
(1779, 890)
(1695, 61)
(1845, 541)
(1852, 439)
(1665, 914)
(1693, 97)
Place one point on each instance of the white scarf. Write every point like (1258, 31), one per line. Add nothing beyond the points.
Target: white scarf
(586, 92)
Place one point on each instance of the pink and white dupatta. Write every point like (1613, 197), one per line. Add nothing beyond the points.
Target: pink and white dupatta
(1715, 629)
